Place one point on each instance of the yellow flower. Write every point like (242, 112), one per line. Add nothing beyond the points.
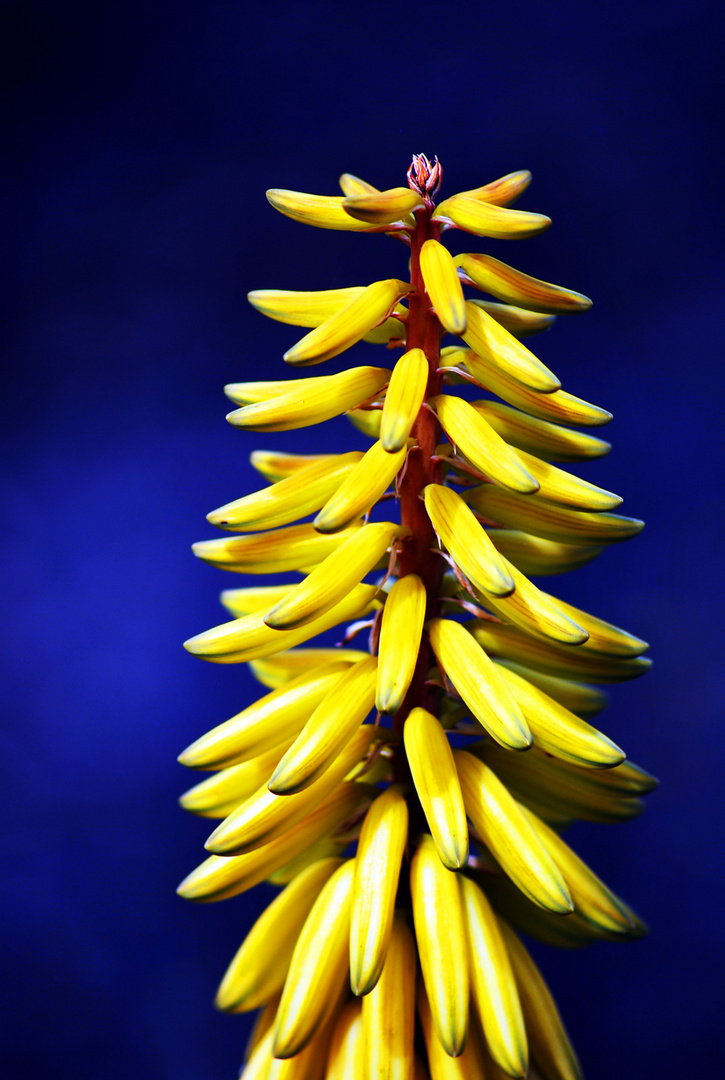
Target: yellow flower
(407, 864)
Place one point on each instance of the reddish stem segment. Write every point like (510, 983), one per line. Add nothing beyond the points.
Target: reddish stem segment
(418, 552)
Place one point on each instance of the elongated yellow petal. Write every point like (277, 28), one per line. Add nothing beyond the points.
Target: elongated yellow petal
(467, 541)
(353, 185)
(324, 211)
(379, 854)
(346, 1059)
(259, 968)
(400, 634)
(388, 1011)
(604, 637)
(222, 792)
(511, 285)
(487, 219)
(239, 602)
(265, 816)
(442, 947)
(493, 984)
(333, 579)
(220, 877)
(272, 552)
(592, 899)
(361, 489)
(584, 701)
(558, 406)
(434, 774)
(558, 731)
(349, 324)
(251, 393)
(328, 730)
(504, 191)
(382, 207)
(276, 465)
(537, 612)
(270, 722)
(500, 350)
(277, 670)
(309, 1063)
(504, 829)
(403, 399)
(443, 286)
(549, 1041)
(516, 320)
(541, 437)
(250, 638)
(290, 499)
(563, 488)
(537, 556)
(580, 663)
(302, 308)
(318, 968)
(478, 682)
(543, 518)
(327, 396)
(467, 1066)
(474, 437)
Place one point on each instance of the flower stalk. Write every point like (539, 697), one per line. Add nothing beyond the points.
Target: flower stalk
(409, 799)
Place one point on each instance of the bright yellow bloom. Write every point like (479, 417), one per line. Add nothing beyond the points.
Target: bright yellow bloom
(408, 797)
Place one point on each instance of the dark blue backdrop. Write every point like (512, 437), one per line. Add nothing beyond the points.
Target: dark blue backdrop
(143, 136)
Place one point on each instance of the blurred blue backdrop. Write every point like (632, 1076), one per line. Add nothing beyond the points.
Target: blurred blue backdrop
(142, 137)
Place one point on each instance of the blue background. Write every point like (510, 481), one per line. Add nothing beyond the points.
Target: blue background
(142, 138)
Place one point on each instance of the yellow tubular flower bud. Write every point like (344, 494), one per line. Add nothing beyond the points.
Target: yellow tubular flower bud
(400, 634)
(319, 399)
(467, 542)
(353, 185)
(361, 489)
(382, 207)
(272, 552)
(250, 638)
(535, 611)
(328, 730)
(558, 731)
(543, 518)
(403, 400)
(493, 984)
(580, 663)
(436, 781)
(388, 1011)
(239, 602)
(487, 219)
(259, 968)
(349, 324)
(541, 437)
(479, 683)
(264, 816)
(467, 1066)
(480, 443)
(377, 869)
(499, 349)
(296, 497)
(537, 556)
(220, 877)
(442, 948)
(275, 466)
(318, 968)
(504, 191)
(277, 670)
(346, 1059)
(548, 1039)
(562, 487)
(324, 211)
(443, 286)
(517, 321)
(222, 792)
(502, 826)
(333, 579)
(525, 291)
(272, 721)
(585, 701)
(302, 308)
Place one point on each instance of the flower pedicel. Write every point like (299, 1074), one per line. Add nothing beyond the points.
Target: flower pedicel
(407, 865)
